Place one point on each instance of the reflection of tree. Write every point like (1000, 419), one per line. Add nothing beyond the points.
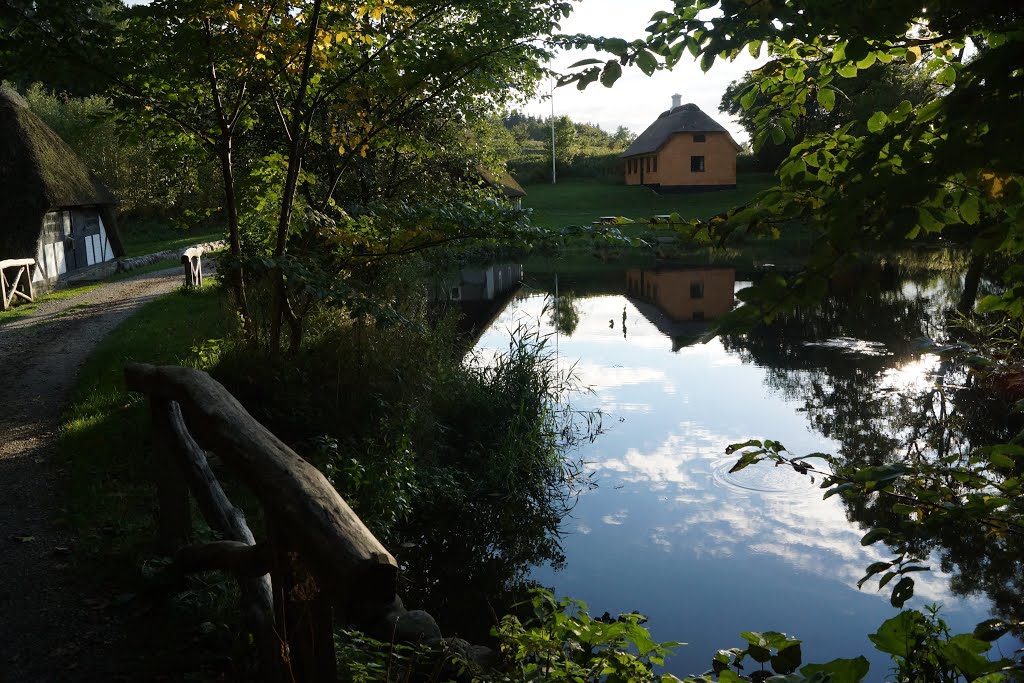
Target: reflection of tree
(852, 395)
(564, 313)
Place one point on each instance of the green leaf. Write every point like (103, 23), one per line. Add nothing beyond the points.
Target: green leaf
(1000, 460)
(877, 121)
(611, 73)
(759, 654)
(903, 591)
(617, 46)
(733, 447)
(826, 98)
(837, 489)
(787, 660)
(969, 209)
(585, 62)
(646, 61)
(928, 221)
(840, 670)
(874, 535)
(896, 636)
(873, 569)
(746, 460)
(748, 98)
(963, 651)
(777, 134)
(929, 111)
(992, 629)
(947, 76)
(848, 70)
(754, 638)
(707, 61)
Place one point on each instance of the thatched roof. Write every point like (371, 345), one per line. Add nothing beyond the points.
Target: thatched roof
(503, 181)
(40, 173)
(687, 118)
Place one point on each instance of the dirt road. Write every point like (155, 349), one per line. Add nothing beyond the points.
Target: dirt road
(52, 628)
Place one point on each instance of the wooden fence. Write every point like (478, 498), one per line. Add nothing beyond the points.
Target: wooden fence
(319, 562)
(20, 286)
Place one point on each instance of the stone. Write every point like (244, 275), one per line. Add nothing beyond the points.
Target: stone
(416, 626)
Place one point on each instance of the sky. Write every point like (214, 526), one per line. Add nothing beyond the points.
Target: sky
(636, 100)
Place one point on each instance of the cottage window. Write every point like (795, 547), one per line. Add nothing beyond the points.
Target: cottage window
(697, 164)
(697, 289)
(655, 164)
(699, 137)
(648, 164)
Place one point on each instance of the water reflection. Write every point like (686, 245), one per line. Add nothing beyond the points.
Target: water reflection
(670, 532)
(680, 300)
(887, 401)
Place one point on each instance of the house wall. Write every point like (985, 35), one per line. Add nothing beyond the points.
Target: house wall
(84, 229)
(673, 163)
(672, 291)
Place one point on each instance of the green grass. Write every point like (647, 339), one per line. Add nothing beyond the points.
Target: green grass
(110, 500)
(27, 309)
(581, 201)
(151, 236)
(104, 437)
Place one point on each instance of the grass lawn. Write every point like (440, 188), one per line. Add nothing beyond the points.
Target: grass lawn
(582, 201)
(151, 236)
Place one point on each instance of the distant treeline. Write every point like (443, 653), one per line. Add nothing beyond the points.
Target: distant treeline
(582, 150)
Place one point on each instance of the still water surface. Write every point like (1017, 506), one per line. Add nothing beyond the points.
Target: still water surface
(668, 531)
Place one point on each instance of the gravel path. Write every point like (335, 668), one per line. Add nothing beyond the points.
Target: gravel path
(52, 628)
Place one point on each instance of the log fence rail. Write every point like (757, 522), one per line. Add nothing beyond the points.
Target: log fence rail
(318, 563)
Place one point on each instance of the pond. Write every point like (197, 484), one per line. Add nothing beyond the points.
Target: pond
(668, 531)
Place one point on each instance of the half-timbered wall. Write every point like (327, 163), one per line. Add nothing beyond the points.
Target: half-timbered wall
(70, 240)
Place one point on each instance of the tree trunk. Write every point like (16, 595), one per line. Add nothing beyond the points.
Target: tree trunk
(301, 118)
(971, 282)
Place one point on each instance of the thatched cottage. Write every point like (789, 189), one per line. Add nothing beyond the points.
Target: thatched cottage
(52, 208)
(684, 149)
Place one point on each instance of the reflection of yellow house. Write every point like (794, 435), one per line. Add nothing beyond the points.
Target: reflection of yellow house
(683, 150)
(685, 294)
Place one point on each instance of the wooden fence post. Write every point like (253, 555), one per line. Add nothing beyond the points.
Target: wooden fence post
(302, 611)
(175, 515)
(192, 259)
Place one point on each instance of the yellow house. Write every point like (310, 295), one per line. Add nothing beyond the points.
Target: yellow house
(683, 150)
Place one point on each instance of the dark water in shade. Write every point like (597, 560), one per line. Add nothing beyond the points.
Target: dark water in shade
(706, 554)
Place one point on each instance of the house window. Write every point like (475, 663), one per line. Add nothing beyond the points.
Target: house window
(697, 289)
(654, 164)
(648, 164)
(697, 164)
(698, 315)
(699, 137)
